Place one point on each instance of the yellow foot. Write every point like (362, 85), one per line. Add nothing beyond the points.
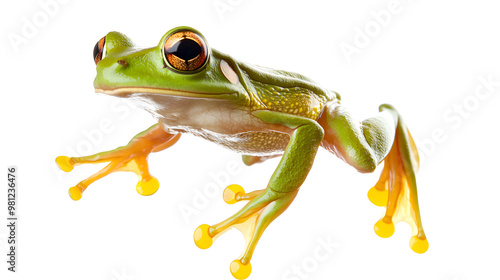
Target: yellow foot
(239, 270)
(121, 161)
(132, 157)
(263, 207)
(397, 191)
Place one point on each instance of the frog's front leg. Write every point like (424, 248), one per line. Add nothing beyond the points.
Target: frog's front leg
(364, 145)
(132, 157)
(266, 205)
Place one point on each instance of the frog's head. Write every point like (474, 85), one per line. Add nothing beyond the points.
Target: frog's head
(181, 65)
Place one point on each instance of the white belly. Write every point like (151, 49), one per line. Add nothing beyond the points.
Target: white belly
(216, 120)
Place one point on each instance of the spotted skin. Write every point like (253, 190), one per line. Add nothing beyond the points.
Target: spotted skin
(292, 100)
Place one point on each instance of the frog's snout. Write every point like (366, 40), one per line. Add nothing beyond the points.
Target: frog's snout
(122, 62)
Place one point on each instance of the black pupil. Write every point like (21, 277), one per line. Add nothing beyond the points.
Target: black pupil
(96, 50)
(185, 49)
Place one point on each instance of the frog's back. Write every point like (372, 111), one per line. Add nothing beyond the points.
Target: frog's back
(286, 92)
(292, 100)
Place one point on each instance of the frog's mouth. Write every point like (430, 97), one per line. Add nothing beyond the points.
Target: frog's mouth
(128, 91)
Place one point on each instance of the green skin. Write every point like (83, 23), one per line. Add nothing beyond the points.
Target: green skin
(232, 114)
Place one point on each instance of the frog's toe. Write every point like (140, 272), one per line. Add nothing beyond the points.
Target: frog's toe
(147, 186)
(232, 193)
(419, 244)
(379, 194)
(75, 192)
(240, 270)
(384, 227)
(65, 163)
(202, 237)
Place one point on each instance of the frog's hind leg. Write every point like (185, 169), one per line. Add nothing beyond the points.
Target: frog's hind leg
(364, 145)
(132, 157)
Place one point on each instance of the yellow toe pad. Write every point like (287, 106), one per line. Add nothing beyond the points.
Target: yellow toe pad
(239, 270)
(65, 163)
(419, 245)
(230, 193)
(148, 187)
(75, 193)
(384, 229)
(378, 197)
(202, 238)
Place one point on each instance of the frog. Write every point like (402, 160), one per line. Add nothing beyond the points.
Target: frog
(258, 112)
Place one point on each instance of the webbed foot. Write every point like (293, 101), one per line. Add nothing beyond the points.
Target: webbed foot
(132, 157)
(397, 191)
(263, 207)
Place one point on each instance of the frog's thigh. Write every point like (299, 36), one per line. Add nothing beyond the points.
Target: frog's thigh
(362, 145)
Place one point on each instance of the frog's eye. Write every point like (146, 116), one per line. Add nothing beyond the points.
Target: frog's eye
(100, 50)
(185, 51)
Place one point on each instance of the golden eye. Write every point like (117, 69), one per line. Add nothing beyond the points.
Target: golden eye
(100, 50)
(185, 51)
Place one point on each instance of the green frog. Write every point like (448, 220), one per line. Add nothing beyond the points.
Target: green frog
(258, 112)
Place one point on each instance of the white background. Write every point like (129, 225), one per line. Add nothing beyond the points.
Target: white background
(427, 61)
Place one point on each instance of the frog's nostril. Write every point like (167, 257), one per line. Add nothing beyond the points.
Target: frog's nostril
(122, 62)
